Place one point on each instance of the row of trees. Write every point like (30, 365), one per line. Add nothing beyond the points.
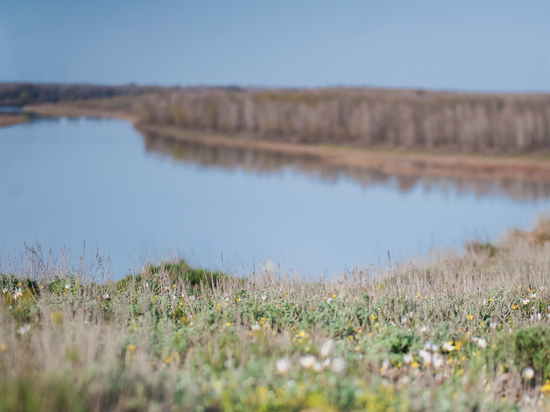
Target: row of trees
(19, 94)
(487, 123)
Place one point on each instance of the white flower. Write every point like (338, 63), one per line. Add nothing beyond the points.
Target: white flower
(404, 320)
(326, 363)
(338, 365)
(307, 361)
(534, 295)
(327, 348)
(426, 357)
(407, 358)
(438, 360)
(264, 297)
(427, 346)
(539, 316)
(385, 367)
(24, 329)
(67, 286)
(528, 373)
(448, 347)
(173, 297)
(525, 302)
(424, 328)
(5, 290)
(482, 343)
(283, 366)
(193, 298)
(106, 296)
(493, 325)
(255, 327)
(318, 367)
(328, 300)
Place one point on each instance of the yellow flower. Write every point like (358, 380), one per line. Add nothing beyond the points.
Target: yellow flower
(470, 317)
(238, 299)
(181, 304)
(228, 324)
(373, 317)
(545, 388)
(333, 296)
(415, 364)
(301, 334)
(3, 347)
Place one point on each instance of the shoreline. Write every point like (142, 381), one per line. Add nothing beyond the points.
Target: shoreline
(476, 167)
(13, 119)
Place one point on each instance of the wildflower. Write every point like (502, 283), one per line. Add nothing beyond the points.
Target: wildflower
(338, 365)
(539, 316)
(533, 295)
(470, 317)
(493, 325)
(329, 300)
(327, 348)
(255, 327)
(192, 298)
(438, 360)
(307, 361)
(426, 357)
(407, 358)
(481, 343)
(545, 388)
(264, 297)
(423, 329)
(448, 346)
(385, 367)
(173, 297)
(318, 367)
(106, 296)
(528, 373)
(283, 366)
(228, 324)
(3, 347)
(525, 302)
(24, 329)
(5, 290)
(67, 286)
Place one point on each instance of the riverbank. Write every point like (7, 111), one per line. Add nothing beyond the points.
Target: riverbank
(459, 333)
(12, 119)
(393, 162)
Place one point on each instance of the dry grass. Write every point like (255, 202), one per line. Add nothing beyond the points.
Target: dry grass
(156, 342)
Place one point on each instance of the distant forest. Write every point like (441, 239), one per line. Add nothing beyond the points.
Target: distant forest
(360, 117)
(19, 94)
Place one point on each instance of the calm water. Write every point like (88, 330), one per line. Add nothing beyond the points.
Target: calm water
(66, 182)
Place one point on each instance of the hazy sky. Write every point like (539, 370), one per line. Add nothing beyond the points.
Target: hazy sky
(467, 45)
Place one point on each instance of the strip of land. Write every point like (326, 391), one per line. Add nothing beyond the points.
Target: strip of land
(400, 163)
(11, 119)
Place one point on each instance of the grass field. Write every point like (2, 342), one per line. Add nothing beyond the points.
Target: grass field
(458, 332)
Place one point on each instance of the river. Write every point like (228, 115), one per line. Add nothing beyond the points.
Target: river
(133, 198)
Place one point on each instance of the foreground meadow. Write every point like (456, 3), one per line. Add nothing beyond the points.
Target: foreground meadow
(459, 332)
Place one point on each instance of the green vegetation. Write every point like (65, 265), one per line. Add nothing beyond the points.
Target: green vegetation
(458, 333)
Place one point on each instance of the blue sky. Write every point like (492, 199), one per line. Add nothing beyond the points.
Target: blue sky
(459, 45)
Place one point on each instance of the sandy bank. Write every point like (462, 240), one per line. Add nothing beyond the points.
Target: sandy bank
(11, 119)
(393, 163)
(69, 110)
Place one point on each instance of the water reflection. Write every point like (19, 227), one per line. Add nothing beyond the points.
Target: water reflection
(259, 161)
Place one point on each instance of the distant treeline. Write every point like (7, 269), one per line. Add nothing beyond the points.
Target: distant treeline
(19, 94)
(472, 122)
(360, 117)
